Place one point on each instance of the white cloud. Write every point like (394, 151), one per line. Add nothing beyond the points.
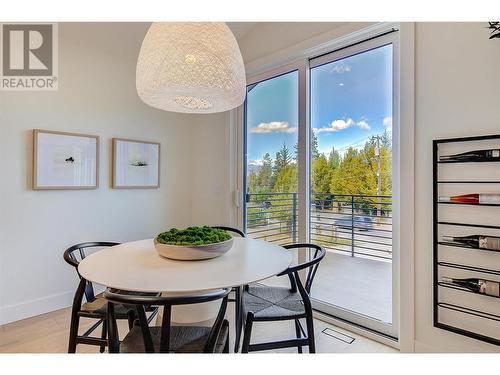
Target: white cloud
(341, 68)
(363, 125)
(338, 125)
(387, 121)
(273, 127)
(257, 163)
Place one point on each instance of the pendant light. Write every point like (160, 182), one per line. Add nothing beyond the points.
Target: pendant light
(191, 67)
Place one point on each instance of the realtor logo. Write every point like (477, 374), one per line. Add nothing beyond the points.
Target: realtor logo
(29, 56)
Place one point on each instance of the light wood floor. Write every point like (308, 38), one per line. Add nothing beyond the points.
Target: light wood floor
(48, 333)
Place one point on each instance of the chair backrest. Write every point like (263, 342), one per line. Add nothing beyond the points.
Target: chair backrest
(76, 253)
(233, 231)
(310, 266)
(140, 302)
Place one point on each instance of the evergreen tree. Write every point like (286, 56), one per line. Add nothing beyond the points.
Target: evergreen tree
(265, 177)
(334, 159)
(314, 146)
(283, 159)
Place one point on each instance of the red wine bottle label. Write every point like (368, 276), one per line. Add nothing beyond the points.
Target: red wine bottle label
(492, 243)
(489, 199)
(490, 288)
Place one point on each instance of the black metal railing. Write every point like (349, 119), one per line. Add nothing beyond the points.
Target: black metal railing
(356, 225)
(272, 217)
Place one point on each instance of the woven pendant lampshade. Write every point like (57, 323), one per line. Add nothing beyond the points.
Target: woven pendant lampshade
(191, 67)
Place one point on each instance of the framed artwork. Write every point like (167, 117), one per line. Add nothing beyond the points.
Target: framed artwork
(65, 160)
(136, 164)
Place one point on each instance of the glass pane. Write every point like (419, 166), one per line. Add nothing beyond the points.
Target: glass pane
(351, 184)
(271, 125)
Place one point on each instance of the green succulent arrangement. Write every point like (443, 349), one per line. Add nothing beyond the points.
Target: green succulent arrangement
(193, 236)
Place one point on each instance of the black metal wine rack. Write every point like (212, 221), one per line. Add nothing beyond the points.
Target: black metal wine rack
(462, 222)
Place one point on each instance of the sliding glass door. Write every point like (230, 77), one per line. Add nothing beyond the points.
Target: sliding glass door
(329, 180)
(351, 109)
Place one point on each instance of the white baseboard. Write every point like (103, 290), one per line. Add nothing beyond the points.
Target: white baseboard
(12, 313)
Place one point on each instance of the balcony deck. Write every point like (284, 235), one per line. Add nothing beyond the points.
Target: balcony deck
(357, 284)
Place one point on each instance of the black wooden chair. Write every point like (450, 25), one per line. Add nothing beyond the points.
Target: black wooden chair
(265, 304)
(167, 338)
(238, 316)
(95, 306)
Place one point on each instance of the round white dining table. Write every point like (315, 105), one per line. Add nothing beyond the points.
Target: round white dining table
(136, 266)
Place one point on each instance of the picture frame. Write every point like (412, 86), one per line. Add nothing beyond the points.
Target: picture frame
(65, 161)
(136, 164)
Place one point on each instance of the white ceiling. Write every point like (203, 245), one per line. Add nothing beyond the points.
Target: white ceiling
(240, 29)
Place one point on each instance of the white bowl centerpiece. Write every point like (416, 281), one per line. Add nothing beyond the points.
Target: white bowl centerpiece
(193, 243)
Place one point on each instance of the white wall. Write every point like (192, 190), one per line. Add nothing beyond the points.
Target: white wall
(96, 96)
(457, 94)
(211, 198)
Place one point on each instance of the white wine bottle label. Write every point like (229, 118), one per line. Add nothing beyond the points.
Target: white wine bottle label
(489, 199)
(448, 280)
(492, 243)
(491, 288)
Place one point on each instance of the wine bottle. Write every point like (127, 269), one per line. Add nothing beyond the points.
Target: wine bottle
(488, 287)
(473, 199)
(476, 241)
(472, 155)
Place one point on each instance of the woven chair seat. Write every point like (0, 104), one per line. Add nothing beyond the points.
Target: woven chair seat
(272, 303)
(99, 306)
(183, 339)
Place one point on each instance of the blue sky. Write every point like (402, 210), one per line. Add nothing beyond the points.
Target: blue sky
(351, 99)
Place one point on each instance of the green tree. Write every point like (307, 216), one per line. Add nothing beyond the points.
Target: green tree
(282, 160)
(314, 145)
(252, 182)
(286, 180)
(314, 148)
(321, 175)
(354, 175)
(265, 177)
(334, 159)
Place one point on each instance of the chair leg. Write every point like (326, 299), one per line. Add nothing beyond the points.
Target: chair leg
(310, 332)
(131, 318)
(248, 331)
(298, 334)
(73, 332)
(237, 319)
(226, 346)
(104, 335)
(113, 340)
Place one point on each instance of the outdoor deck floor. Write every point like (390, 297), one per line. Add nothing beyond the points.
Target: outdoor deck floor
(357, 284)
